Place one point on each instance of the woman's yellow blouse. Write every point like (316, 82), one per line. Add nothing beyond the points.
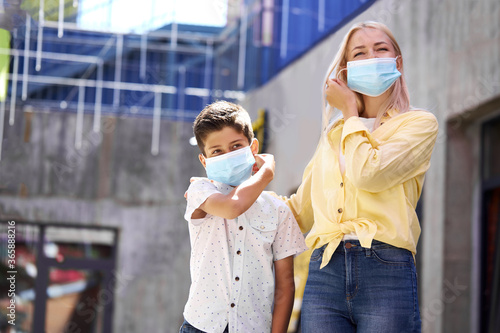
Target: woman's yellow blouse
(377, 196)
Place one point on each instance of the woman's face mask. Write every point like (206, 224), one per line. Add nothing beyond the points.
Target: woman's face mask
(232, 168)
(373, 76)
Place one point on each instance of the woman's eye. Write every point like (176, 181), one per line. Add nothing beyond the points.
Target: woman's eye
(357, 54)
(383, 49)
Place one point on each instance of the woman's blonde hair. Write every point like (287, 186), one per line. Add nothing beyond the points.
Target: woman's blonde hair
(399, 99)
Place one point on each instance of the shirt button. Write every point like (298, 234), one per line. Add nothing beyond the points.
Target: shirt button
(238, 252)
(341, 184)
(241, 227)
(340, 210)
(237, 278)
(262, 227)
(233, 305)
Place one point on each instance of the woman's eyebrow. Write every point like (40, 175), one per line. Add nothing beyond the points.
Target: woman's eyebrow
(358, 47)
(362, 46)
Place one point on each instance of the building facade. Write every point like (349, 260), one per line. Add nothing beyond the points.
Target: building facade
(95, 156)
(451, 52)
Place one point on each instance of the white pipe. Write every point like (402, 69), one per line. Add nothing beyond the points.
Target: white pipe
(208, 68)
(242, 49)
(98, 99)
(267, 23)
(118, 69)
(321, 15)
(153, 34)
(105, 84)
(13, 90)
(284, 29)
(79, 117)
(41, 19)
(60, 28)
(52, 55)
(155, 140)
(173, 41)
(200, 92)
(191, 91)
(182, 90)
(144, 47)
(27, 41)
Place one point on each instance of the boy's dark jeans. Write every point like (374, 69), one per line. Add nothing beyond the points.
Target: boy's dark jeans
(188, 328)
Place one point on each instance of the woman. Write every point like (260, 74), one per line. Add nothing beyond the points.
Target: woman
(359, 192)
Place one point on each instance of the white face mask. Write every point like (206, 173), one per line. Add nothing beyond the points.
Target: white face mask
(232, 168)
(373, 76)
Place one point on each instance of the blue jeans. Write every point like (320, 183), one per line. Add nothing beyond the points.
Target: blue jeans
(361, 290)
(188, 328)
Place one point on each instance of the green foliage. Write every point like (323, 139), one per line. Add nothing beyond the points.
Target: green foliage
(51, 9)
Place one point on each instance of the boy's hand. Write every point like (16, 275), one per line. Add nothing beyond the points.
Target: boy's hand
(265, 162)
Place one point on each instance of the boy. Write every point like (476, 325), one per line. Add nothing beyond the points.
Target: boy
(237, 232)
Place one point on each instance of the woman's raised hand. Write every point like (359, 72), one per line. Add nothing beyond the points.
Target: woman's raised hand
(341, 97)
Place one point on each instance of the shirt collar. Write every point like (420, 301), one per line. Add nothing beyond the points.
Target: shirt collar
(391, 113)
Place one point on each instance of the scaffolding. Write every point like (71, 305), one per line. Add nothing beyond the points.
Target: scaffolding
(169, 73)
(165, 73)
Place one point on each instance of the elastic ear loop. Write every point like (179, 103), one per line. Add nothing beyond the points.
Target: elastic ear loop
(338, 76)
(396, 60)
(340, 71)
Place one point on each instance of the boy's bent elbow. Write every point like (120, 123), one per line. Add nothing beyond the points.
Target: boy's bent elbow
(233, 210)
(231, 216)
(227, 207)
(268, 175)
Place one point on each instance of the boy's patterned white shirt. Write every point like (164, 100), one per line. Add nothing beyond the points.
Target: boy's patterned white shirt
(232, 280)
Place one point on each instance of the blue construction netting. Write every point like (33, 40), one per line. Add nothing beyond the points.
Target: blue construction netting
(203, 65)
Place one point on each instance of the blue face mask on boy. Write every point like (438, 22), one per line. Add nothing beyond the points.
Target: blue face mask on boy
(373, 76)
(232, 168)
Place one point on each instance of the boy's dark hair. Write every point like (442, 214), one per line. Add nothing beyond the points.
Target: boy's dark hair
(220, 114)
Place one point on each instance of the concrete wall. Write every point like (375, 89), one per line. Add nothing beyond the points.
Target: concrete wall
(113, 180)
(451, 52)
(460, 302)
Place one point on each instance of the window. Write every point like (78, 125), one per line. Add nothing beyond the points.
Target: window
(63, 276)
(490, 275)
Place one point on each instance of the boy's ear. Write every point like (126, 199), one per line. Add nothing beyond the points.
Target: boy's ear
(254, 146)
(201, 157)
